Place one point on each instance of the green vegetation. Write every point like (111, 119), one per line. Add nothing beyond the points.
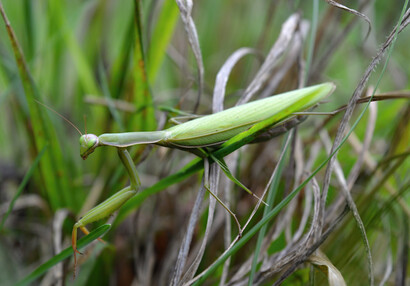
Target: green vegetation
(118, 66)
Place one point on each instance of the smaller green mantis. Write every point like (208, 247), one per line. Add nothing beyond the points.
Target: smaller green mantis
(193, 136)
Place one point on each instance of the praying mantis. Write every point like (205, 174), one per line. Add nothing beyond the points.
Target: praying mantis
(195, 136)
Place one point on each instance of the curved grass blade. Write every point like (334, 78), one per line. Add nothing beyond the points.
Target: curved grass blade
(98, 232)
(320, 261)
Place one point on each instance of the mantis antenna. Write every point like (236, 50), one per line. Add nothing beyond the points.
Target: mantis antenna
(61, 116)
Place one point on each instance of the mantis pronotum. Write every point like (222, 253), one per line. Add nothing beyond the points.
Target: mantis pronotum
(194, 136)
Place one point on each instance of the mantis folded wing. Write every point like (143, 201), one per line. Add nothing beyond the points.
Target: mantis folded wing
(210, 130)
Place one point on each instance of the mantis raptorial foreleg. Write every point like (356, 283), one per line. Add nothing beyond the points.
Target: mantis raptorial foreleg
(111, 204)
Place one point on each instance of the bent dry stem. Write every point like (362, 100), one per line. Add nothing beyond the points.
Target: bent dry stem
(239, 124)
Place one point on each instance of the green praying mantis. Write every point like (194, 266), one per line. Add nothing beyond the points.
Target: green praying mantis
(195, 136)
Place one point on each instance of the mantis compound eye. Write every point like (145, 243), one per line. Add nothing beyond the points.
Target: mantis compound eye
(88, 143)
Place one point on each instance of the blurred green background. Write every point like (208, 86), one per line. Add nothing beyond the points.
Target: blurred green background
(82, 52)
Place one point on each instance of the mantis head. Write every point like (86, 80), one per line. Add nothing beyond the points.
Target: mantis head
(88, 143)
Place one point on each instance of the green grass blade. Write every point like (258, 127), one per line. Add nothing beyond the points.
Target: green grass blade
(161, 37)
(273, 190)
(312, 39)
(30, 27)
(64, 254)
(122, 62)
(85, 71)
(145, 119)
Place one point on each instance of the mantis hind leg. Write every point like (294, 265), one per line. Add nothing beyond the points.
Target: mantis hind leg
(207, 187)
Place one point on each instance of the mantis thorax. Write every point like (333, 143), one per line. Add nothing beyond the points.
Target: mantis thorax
(88, 143)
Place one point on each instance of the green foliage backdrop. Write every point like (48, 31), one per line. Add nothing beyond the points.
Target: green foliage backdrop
(117, 66)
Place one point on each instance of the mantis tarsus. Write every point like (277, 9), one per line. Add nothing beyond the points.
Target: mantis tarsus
(194, 136)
